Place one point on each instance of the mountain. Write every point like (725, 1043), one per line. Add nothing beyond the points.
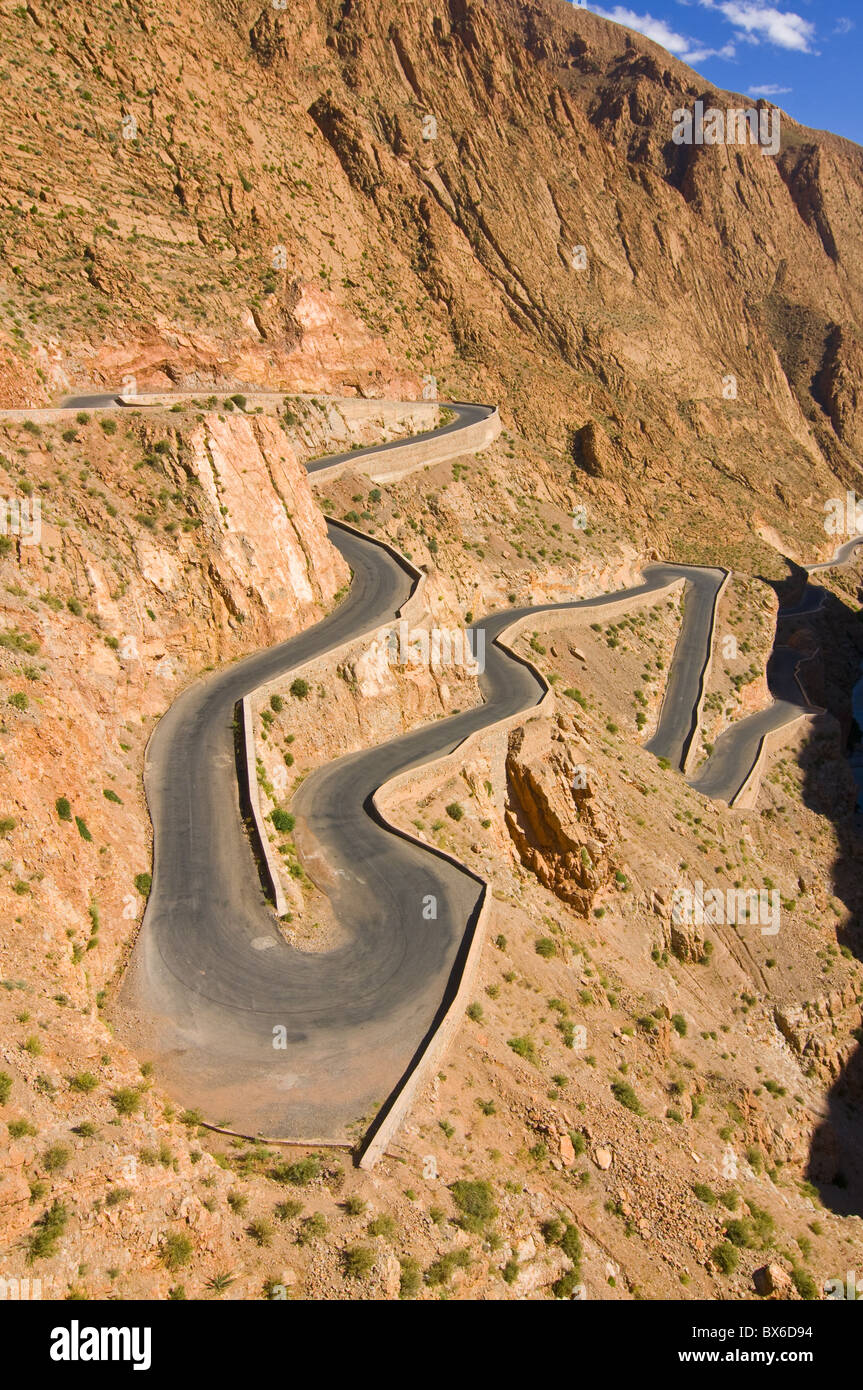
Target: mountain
(354, 205)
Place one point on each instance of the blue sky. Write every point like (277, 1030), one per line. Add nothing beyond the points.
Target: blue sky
(803, 54)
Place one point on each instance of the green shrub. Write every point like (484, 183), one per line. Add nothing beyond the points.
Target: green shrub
(524, 1047)
(117, 1195)
(126, 1100)
(455, 811)
(261, 1231)
(410, 1279)
(299, 688)
(443, 1269)
(64, 810)
(5, 1086)
(623, 1092)
(83, 831)
(545, 947)
(804, 1283)
(177, 1250)
(570, 1244)
(566, 1285)
(725, 1257)
(383, 1225)
(20, 1129)
(705, 1194)
(43, 1238)
(283, 821)
(55, 1158)
(312, 1228)
(143, 883)
(299, 1174)
(739, 1232)
(358, 1261)
(475, 1202)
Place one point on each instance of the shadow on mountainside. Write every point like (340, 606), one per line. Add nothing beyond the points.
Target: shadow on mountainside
(826, 631)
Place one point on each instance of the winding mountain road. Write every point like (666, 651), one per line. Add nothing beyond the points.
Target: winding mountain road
(272, 1040)
(212, 985)
(738, 749)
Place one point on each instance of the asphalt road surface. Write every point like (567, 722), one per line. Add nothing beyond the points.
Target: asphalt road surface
(210, 969)
(294, 1043)
(736, 750)
(262, 1036)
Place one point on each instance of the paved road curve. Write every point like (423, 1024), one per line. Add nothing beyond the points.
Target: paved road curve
(212, 983)
(210, 968)
(737, 749)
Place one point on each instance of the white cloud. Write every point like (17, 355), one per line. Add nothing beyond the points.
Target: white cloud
(757, 21)
(768, 89)
(843, 26)
(688, 50)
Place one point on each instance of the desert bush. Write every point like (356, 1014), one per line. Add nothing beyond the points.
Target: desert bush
(383, 1225)
(312, 1228)
(126, 1100)
(475, 1202)
(300, 1173)
(177, 1250)
(623, 1092)
(55, 1158)
(524, 1047)
(410, 1280)
(45, 1233)
(725, 1257)
(261, 1231)
(358, 1261)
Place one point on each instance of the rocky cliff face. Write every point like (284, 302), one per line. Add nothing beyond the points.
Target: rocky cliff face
(370, 198)
(272, 546)
(355, 197)
(561, 830)
(177, 546)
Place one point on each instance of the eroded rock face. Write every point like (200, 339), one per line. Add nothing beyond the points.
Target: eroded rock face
(821, 1030)
(273, 547)
(686, 941)
(563, 834)
(137, 611)
(592, 450)
(772, 1279)
(839, 387)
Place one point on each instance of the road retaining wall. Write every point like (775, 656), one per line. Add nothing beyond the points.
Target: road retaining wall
(249, 773)
(397, 463)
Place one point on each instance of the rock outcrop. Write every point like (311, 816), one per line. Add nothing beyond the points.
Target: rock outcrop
(562, 832)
